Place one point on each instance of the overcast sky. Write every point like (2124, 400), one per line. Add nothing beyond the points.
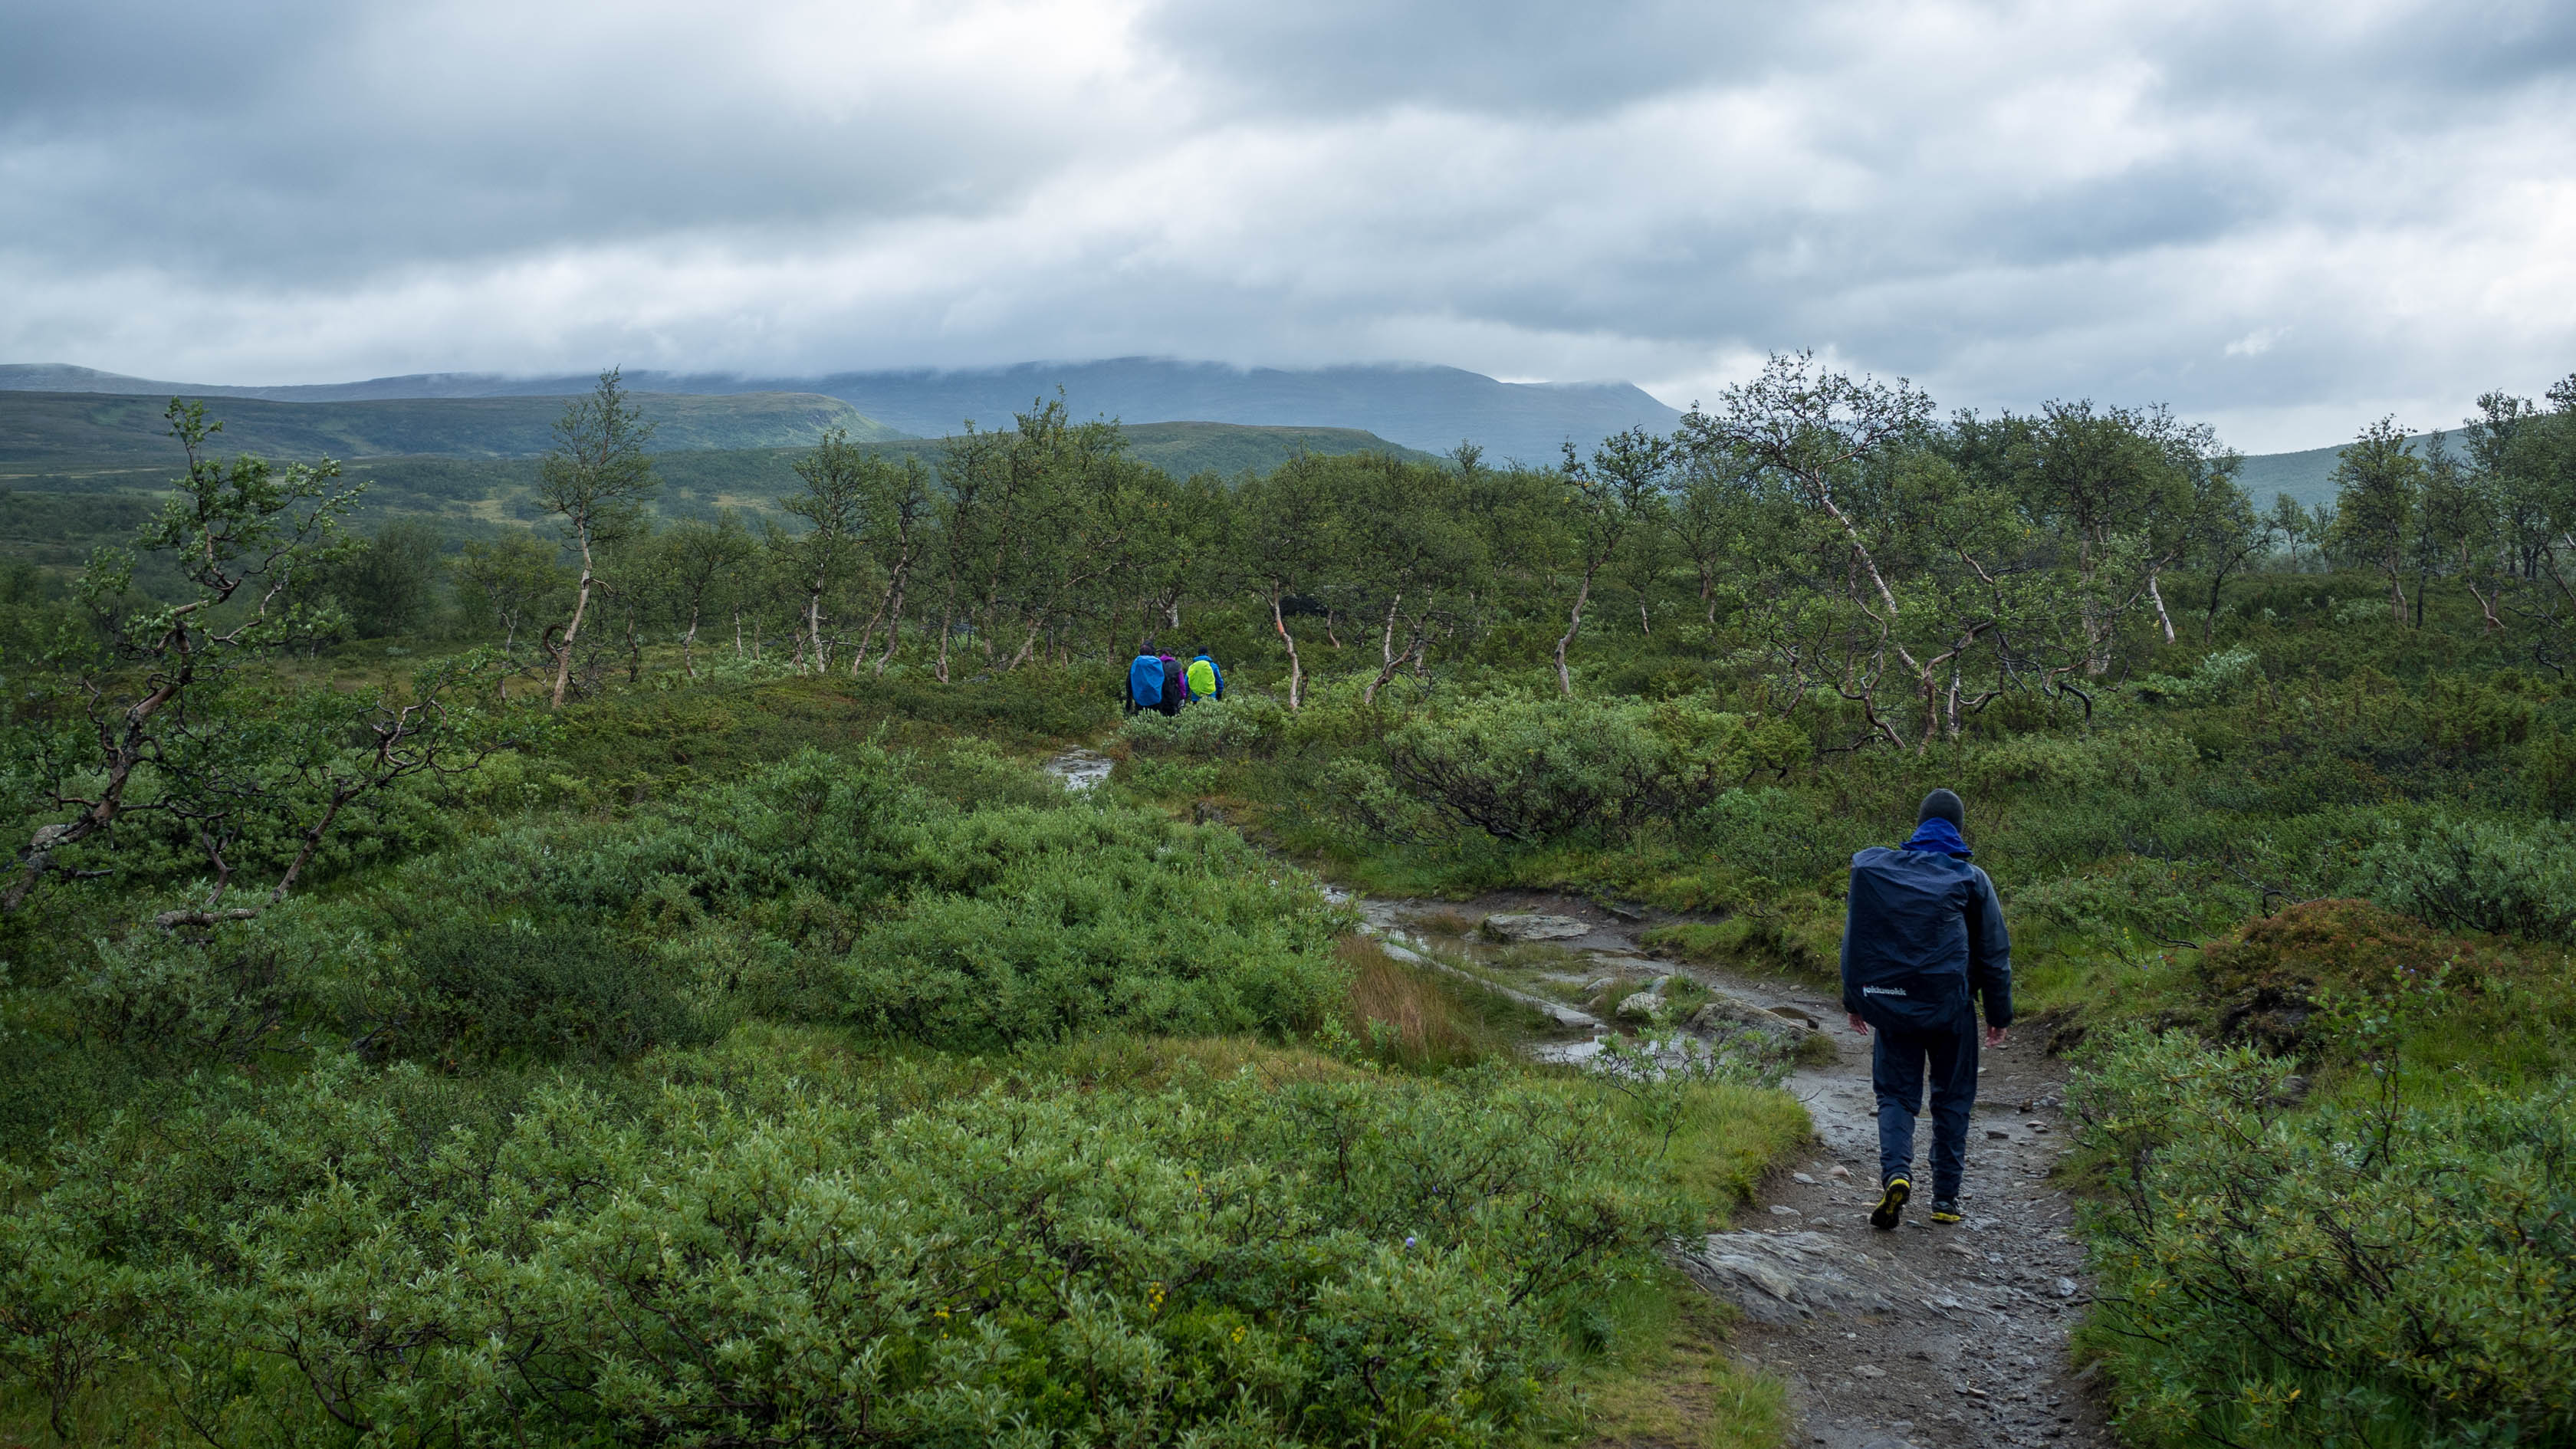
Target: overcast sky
(2281, 218)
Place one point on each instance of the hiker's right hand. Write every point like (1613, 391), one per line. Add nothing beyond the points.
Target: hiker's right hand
(1857, 1024)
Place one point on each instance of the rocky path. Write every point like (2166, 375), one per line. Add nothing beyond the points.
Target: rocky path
(1926, 1336)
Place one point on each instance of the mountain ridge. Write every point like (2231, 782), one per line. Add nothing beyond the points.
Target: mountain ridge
(1421, 406)
(1417, 407)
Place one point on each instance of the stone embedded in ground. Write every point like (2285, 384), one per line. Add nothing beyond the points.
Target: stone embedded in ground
(1869, 1371)
(1792, 1277)
(1532, 926)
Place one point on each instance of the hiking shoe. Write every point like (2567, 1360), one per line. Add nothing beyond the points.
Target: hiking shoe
(1945, 1210)
(1891, 1204)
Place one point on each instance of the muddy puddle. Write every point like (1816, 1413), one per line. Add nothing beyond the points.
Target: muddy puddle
(1080, 770)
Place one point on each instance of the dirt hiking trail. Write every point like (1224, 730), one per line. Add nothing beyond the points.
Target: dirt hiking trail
(1925, 1336)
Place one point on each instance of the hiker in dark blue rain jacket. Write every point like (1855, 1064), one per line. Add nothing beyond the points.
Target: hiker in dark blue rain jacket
(1923, 943)
(1145, 682)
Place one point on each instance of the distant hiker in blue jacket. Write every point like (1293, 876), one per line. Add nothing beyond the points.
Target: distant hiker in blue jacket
(1146, 682)
(1923, 940)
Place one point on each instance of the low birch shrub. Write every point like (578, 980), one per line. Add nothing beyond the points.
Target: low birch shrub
(742, 1256)
(2389, 1267)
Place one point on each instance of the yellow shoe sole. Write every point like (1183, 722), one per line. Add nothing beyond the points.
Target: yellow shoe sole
(1891, 1204)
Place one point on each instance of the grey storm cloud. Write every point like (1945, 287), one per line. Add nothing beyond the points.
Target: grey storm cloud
(2282, 217)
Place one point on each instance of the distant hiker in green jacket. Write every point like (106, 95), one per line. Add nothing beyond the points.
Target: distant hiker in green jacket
(1204, 679)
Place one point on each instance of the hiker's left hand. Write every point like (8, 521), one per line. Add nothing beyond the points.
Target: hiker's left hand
(1857, 1024)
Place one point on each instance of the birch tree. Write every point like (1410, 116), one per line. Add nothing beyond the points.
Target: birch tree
(2379, 487)
(596, 481)
(834, 503)
(1608, 498)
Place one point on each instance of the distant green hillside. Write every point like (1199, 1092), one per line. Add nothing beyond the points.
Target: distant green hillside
(1424, 407)
(2307, 476)
(1182, 449)
(49, 432)
(55, 515)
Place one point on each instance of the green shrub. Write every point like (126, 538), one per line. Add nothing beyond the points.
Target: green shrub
(2478, 875)
(1071, 922)
(1034, 703)
(2549, 771)
(567, 993)
(1241, 724)
(2115, 901)
(1329, 1259)
(178, 999)
(1778, 835)
(2133, 760)
(2216, 679)
(834, 887)
(976, 773)
(2469, 716)
(1532, 770)
(2393, 1272)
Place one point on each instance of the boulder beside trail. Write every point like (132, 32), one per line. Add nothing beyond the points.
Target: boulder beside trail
(1644, 1006)
(1531, 926)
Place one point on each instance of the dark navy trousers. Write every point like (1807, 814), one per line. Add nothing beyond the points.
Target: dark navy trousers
(1897, 1072)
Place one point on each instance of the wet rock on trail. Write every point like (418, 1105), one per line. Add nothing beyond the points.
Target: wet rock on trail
(1524, 926)
(1782, 1026)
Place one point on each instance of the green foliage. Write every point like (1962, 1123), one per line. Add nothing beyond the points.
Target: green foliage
(388, 585)
(1058, 923)
(2217, 679)
(516, 582)
(2478, 875)
(2549, 771)
(180, 1001)
(1219, 1261)
(566, 994)
(1239, 725)
(2474, 717)
(1531, 770)
(2390, 1270)
(2127, 763)
(842, 891)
